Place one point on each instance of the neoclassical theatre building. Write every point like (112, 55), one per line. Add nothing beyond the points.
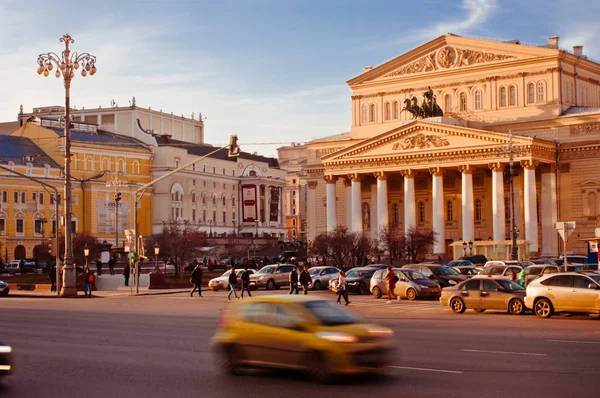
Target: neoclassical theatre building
(446, 173)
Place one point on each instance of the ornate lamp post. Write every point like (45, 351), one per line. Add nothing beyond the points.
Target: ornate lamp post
(65, 65)
(156, 251)
(86, 253)
(470, 248)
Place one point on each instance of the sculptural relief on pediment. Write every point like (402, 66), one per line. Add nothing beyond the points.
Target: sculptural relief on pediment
(446, 58)
(420, 141)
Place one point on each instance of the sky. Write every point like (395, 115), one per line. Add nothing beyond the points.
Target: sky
(271, 71)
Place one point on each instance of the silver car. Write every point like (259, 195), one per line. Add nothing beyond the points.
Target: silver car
(569, 292)
(222, 282)
(322, 275)
(4, 289)
(411, 284)
(272, 276)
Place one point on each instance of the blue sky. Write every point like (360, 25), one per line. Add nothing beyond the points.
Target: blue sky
(270, 71)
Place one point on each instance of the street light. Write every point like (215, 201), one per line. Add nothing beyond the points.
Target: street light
(156, 251)
(116, 183)
(86, 253)
(470, 248)
(65, 65)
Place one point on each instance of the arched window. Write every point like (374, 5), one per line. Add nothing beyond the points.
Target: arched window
(121, 165)
(463, 102)
(224, 201)
(503, 96)
(373, 113)
(232, 202)
(449, 211)
(395, 213)
(531, 91)
(421, 212)
(293, 222)
(388, 111)
(541, 92)
(447, 103)
(365, 113)
(214, 200)
(193, 197)
(478, 103)
(105, 164)
(478, 211)
(512, 95)
(176, 202)
(396, 110)
(591, 204)
(135, 167)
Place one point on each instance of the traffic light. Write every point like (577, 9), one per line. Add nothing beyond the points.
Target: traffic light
(118, 197)
(133, 257)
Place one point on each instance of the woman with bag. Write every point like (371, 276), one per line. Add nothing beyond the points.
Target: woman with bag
(391, 279)
(341, 288)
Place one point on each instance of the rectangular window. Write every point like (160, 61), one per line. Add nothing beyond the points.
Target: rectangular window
(20, 226)
(51, 198)
(53, 226)
(34, 197)
(74, 227)
(194, 215)
(16, 197)
(59, 199)
(41, 198)
(233, 173)
(2, 226)
(214, 216)
(23, 200)
(224, 217)
(38, 226)
(204, 216)
(4, 196)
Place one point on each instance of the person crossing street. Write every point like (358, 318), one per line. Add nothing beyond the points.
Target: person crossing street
(246, 282)
(196, 279)
(232, 284)
(293, 279)
(341, 288)
(305, 279)
(391, 279)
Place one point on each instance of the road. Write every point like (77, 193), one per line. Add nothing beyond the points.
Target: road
(157, 346)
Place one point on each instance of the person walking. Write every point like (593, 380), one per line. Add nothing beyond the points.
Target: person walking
(99, 267)
(246, 282)
(196, 279)
(232, 284)
(111, 265)
(305, 279)
(126, 272)
(341, 288)
(523, 278)
(391, 279)
(88, 282)
(52, 277)
(293, 279)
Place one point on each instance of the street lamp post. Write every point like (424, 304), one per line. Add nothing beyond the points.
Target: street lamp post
(65, 65)
(116, 183)
(156, 251)
(86, 253)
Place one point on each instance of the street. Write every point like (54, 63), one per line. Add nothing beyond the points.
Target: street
(157, 346)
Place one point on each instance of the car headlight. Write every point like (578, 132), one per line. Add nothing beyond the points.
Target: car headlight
(4, 349)
(260, 278)
(451, 282)
(337, 337)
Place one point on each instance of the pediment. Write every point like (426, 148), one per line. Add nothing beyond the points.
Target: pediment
(590, 184)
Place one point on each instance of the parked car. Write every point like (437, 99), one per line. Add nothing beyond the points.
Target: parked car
(440, 274)
(477, 259)
(467, 270)
(271, 276)
(498, 269)
(482, 294)
(569, 292)
(460, 263)
(574, 259)
(546, 261)
(222, 282)
(13, 267)
(6, 362)
(4, 289)
(377, 266)
(537, 270)
(321, 276)
(358, 280)
(300, 333)
(411, 284)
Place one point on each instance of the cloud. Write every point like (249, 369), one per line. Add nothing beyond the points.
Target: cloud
(582, 34)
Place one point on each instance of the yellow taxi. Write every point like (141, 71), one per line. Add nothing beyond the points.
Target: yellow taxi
(301, 333)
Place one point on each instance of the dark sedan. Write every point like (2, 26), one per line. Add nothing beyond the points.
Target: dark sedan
(5, 360)
(442, 275)
(482, 294)
(358, 280)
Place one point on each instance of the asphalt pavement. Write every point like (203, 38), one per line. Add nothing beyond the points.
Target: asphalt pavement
(157, 346)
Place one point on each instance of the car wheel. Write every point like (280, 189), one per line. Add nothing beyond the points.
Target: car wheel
(230, 362)
(411, 294)
(480, 310)
(543, 308)
(457, 305)
(516, 307)
(317, 368)
(376, 292)
(317, 285)
(270, 284)
(362, 288)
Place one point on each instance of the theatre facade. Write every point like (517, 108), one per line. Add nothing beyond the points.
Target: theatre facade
(447, 173)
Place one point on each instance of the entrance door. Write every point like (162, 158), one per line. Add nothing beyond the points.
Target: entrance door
(20, 252)
(449, 253)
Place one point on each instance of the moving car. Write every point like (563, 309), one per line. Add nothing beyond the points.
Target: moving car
(4, 289)
(569, 292)
(411, 284)
(271, 276)
(222, 282)
(358, 280)
(535, 271)
(5, 360)
(440, 274)
(322, 275)
(301, 333)
(482, 294)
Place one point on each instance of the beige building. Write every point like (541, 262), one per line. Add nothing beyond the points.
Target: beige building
(446, 173)
(291, 159)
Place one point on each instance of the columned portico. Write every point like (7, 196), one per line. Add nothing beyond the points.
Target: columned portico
(331, 203)
(468, 220)
(531, 220)
(498, 216)
(437, 193)
(410, 217)
(382, 199)
(356, 203)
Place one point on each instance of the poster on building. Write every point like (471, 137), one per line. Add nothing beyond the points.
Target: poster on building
(249, 203)
(274, 204)
(107, 216)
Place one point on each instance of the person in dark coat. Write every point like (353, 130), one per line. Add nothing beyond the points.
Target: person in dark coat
(126, 272)
(293, 280)
(196, 279)
(232, 284)
(111, 265)
(52, 277)
(246, 282)
(88, 282)
(305, 279)
(99, 267)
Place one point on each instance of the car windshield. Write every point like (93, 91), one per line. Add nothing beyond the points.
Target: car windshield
(490, 271)
(595, 277)
(444, 271)
(226, 273)
(414, 275)
(314, 271)
(329, 314)
(357, 273)
(267, 270)
(534, 270)
(510, 286)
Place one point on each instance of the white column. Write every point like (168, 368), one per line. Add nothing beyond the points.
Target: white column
(258, 203)
(498, 215)
(410, 217)
(548, 211)
(382, 201)
(281, 220)
(468, 219)
(437, 193)
(348, 193)
(373, 212)
(531, 220)
(311, 211)
(267, 207)
(356, 204)
(331, 210)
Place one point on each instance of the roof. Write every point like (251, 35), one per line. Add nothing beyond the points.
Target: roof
(329, 138)
(101, 137)
(580, 110)
(22, 150)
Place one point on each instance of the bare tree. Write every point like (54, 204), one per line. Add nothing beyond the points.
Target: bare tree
(417, 243)
(341, 248)
(389, 237)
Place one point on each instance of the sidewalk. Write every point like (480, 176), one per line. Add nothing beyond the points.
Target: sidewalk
(102, 293)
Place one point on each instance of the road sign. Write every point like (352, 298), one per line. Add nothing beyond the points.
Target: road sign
(565, 229)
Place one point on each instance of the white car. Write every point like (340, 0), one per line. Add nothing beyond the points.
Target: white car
(222, 282)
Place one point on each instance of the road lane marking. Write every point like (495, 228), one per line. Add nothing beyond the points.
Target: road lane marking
(573, 341)
(426, 369)
(507, 352)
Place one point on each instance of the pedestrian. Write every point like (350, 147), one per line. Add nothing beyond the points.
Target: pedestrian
(341, 288)
(246, 282)
(391, 279)
(111, 265)
(52, 277)
(21, 265)
(232, 284)
(293, 279)
(99, 267)
(88, 282)
(305, 279)
(522, 278)
(126, 272)
(196, 279)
